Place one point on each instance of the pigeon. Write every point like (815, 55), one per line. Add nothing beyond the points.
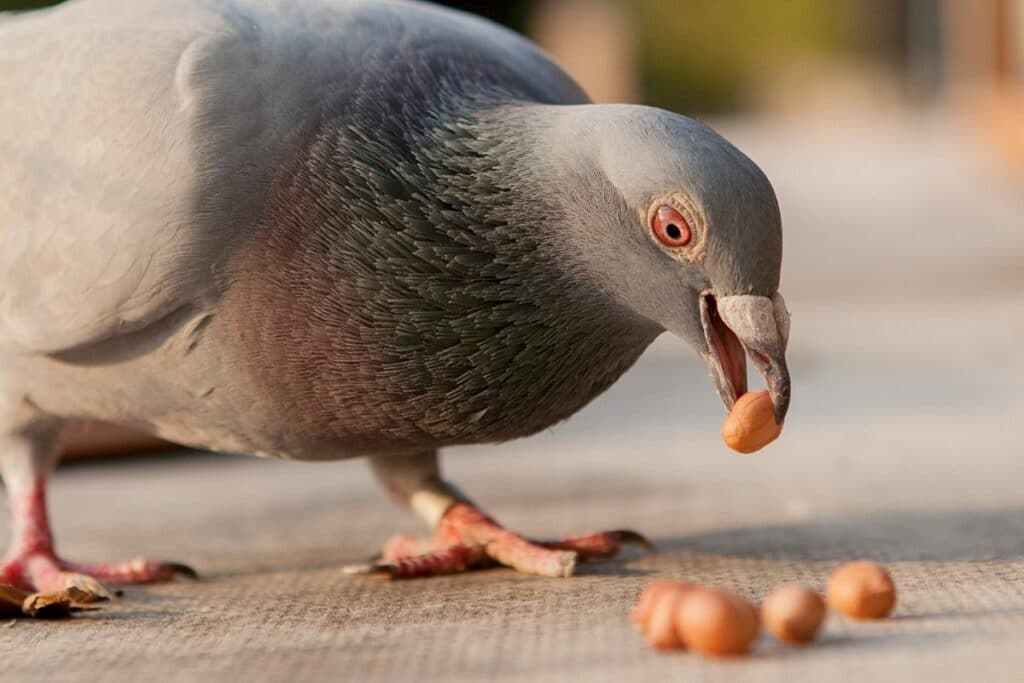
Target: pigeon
(326, 229)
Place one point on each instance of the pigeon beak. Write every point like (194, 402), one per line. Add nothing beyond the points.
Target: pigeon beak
(723, 353)
(745, 325)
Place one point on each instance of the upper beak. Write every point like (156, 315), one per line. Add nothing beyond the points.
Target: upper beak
(746, 325)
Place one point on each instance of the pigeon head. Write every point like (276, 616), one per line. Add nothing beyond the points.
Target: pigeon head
(483, 267)
(675, 223)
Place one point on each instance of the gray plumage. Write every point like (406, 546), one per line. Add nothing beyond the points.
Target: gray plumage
(321, 229)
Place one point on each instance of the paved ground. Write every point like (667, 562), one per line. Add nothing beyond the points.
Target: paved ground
(904, 271)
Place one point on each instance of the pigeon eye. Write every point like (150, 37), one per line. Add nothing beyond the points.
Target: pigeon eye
(671, 228)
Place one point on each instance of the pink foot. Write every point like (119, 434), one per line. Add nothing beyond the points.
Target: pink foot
(42, 571)
(599, 545)
(31, 563)
(467, 538)
(139, 570)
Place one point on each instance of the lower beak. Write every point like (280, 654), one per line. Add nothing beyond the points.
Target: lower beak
(745, 325)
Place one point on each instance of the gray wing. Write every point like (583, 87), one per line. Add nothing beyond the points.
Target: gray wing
(97, 175)
(138, 142)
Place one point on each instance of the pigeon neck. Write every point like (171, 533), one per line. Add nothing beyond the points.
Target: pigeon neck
(412, 285)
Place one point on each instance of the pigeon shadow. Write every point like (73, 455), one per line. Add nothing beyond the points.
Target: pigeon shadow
(871, 642)
(970, 535)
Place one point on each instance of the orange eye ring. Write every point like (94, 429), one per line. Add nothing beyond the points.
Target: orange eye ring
(671, 227)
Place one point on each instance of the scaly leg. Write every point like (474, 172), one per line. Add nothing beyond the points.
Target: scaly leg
(464, 537)
(27, 455)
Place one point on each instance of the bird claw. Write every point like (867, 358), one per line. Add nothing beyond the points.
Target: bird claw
(376, 568)
(466, 538)
(183, 570)
(385, 570)
(455, 558)
(630, 537)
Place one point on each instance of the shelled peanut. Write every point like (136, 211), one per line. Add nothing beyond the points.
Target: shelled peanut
(751, 425)
(862, 590)
(704, 619)
(714, 622)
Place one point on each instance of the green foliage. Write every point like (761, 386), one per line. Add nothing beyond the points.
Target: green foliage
(24, 4)
(704, 55)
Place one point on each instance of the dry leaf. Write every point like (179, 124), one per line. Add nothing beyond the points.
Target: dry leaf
(47, 605)
(11, 599)
(58, 604)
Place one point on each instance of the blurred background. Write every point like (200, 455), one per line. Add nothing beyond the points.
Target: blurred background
(742, 55)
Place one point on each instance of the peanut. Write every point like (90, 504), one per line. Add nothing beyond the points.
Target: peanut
(655, 612)
(715, 622)
(649, 597)
(793, 613)
(862, 590)
(750, 425)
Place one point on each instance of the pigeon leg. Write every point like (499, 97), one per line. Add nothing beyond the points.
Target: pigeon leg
(464, 537)
(27, 455)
